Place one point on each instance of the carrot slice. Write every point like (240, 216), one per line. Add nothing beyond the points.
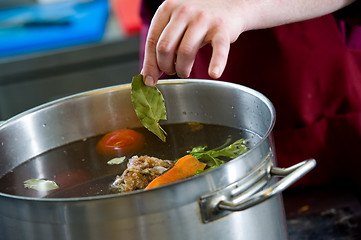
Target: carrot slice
(185, 167)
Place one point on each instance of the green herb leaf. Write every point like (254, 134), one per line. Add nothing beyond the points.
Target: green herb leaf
(148, 103)
(233, 150)
(211, 157)
(118, 160)
(40, 184)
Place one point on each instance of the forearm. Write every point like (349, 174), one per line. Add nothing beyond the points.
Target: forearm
(258, 14)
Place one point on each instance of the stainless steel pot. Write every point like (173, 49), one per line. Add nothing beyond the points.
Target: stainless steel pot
(240, 200)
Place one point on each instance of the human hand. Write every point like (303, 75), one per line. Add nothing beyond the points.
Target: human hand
(180, 27)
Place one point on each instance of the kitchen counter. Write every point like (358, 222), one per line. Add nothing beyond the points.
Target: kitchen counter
(328, 212)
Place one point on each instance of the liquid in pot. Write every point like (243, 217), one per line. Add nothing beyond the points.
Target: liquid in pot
(80, 171)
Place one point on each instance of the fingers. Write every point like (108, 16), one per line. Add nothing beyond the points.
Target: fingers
(172, 42)
(192, 41)
(151, 70)
(221, 45)
(176, 34)
(168, 43)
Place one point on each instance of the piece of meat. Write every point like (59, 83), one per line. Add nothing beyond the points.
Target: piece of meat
(140, 172)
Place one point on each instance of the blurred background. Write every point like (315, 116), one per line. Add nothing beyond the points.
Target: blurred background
(55, 48)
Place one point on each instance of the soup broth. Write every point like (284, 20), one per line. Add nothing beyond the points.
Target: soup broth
(80, 171)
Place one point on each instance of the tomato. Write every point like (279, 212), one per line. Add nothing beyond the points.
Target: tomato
(120, 142)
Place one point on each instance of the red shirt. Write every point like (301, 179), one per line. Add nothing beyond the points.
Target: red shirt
(311, 72)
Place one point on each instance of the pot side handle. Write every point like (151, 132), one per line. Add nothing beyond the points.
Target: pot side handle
(290, 175)
(245, 194)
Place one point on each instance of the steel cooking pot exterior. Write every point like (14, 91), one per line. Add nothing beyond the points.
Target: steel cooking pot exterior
(239, 200)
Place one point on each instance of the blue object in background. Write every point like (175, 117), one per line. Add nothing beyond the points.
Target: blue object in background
(50, 26)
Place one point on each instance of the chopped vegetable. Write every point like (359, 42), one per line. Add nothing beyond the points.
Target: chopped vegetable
(120, 142)
(211, 157)
(148, 103)
(185, 167)
(114, 161)
(40, 184)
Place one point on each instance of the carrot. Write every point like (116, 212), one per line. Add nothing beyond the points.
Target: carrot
(185, 167)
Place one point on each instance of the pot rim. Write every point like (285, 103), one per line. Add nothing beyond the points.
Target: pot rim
(251, 91)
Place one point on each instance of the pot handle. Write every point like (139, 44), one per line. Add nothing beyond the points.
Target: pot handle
(246, 193)
(290, 175)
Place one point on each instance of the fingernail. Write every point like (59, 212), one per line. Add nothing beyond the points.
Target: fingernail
(149, 81)
(216, 71)
(184, 77)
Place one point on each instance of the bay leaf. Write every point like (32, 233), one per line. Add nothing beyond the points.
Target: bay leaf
(114, 161)
(148, 103)
(40, 184)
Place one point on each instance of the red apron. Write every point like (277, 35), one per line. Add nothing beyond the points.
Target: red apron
(314, 81)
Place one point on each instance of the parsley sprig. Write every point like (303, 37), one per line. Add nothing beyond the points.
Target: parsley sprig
(215, 157)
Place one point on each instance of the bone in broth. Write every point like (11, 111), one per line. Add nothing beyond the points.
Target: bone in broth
(80, 171)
